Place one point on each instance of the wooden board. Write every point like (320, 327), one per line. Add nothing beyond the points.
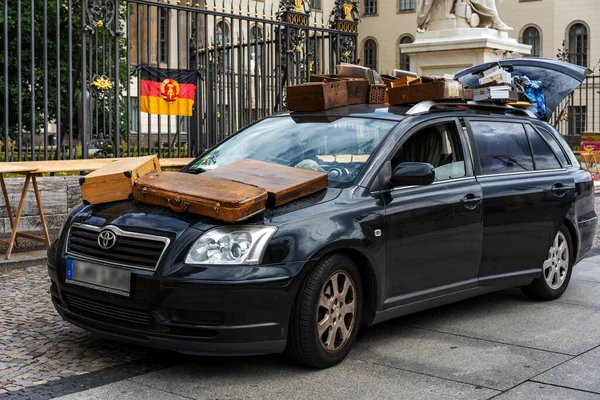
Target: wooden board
(11, 168)
(284, 184)
(114, 181)
(217, 198)
(317, 96)
(66, 165)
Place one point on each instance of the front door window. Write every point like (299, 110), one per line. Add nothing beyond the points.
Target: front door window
(437, 145)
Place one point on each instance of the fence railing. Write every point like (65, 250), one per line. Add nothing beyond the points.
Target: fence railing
(580, 111)
(72, 90)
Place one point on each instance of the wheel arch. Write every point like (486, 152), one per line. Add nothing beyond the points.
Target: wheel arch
(574, 238)
(368, 276)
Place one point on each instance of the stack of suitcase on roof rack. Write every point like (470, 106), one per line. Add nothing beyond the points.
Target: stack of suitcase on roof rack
(360, 85)
(353, 85)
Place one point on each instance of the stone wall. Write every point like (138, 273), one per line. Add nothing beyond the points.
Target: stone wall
(59, 194)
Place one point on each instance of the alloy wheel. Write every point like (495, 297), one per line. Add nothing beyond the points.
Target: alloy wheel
(336, 311)
(556, 265)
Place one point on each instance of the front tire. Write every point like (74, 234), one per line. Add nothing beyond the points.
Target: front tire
(556, 270)
(327, 313)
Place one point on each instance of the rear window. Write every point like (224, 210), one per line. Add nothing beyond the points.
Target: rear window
(502, 147)
(542, 153)
(558, 150)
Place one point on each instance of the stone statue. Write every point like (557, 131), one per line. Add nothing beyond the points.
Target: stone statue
(476, 13)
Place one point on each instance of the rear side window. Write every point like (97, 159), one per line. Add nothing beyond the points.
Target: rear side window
(542, 153)
(555, 146)
(502, 147)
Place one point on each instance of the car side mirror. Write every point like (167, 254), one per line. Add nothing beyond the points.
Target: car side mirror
(413, 173)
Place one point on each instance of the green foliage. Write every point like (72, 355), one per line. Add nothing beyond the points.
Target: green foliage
(32, 52)
(53, 33)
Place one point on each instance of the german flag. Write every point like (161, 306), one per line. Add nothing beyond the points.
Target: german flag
(167, 91)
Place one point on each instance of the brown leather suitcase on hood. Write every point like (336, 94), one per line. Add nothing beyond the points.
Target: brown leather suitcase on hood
(114, 181)
(218, 198)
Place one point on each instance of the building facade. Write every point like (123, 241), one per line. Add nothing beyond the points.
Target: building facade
(544, 24)
(554, 28)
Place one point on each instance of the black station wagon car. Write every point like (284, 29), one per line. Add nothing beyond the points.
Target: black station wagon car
(426, 205)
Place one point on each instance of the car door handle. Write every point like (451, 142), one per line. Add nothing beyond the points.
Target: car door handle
(470, 201)
(559, 189)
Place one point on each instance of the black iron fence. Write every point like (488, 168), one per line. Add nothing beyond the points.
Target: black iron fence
(580, 111)
(72, 85)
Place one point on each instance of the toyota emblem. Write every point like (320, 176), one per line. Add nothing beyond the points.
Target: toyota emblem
(107, 239)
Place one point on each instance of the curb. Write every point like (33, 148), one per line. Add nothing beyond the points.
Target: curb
(23, 260)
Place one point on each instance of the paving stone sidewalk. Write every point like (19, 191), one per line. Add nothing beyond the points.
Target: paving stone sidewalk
(37, 346)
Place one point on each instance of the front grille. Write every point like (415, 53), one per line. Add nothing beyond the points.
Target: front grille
(106, 312)
(130, 249)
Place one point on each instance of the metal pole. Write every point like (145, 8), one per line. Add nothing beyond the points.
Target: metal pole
(6, 98)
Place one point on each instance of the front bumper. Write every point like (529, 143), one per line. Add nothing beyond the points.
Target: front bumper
(239, 317)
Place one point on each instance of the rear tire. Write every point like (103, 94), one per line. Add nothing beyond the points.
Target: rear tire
(556, 270)
(327, 313)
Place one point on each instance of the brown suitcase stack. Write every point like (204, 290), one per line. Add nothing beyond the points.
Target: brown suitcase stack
(114, 181)
(283, 184)
(317, 96)
(218, 198)
(431, 88)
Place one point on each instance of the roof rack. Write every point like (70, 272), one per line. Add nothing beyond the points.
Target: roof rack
(426, 106)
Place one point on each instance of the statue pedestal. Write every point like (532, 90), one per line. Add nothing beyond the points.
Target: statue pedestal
(446, 51)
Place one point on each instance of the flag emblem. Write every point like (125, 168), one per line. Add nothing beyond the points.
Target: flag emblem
(170, 90)
(167, 91)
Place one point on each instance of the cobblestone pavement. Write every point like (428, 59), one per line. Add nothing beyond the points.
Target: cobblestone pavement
(37, 347)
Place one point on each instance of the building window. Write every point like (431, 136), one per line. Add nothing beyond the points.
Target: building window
(532, 37)
(315, 4)
(134, 117)
(370, 7)
(223, 42)
(256, 38)
(577, 117)
(404, 58)
(371, 54)
(163, 32)
(407, 5)
(578, 44)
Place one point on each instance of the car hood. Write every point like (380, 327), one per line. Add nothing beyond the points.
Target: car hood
(559, 79)
(138, 217)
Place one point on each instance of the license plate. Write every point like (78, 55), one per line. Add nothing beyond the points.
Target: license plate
(99, 277)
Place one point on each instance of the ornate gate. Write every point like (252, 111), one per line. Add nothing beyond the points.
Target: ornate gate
(82, 96)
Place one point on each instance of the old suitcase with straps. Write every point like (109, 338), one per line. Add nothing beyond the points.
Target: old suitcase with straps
(218, 198)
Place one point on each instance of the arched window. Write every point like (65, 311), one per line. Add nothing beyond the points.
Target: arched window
(222, 33)
(578, 44)
(532, 37)
(404, 58)
(223, 41)
(256, 37)
(370, 54)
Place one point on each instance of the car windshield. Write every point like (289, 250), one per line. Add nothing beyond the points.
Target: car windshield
(338, 146)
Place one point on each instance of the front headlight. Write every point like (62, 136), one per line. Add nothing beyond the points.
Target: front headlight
(232, 245)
